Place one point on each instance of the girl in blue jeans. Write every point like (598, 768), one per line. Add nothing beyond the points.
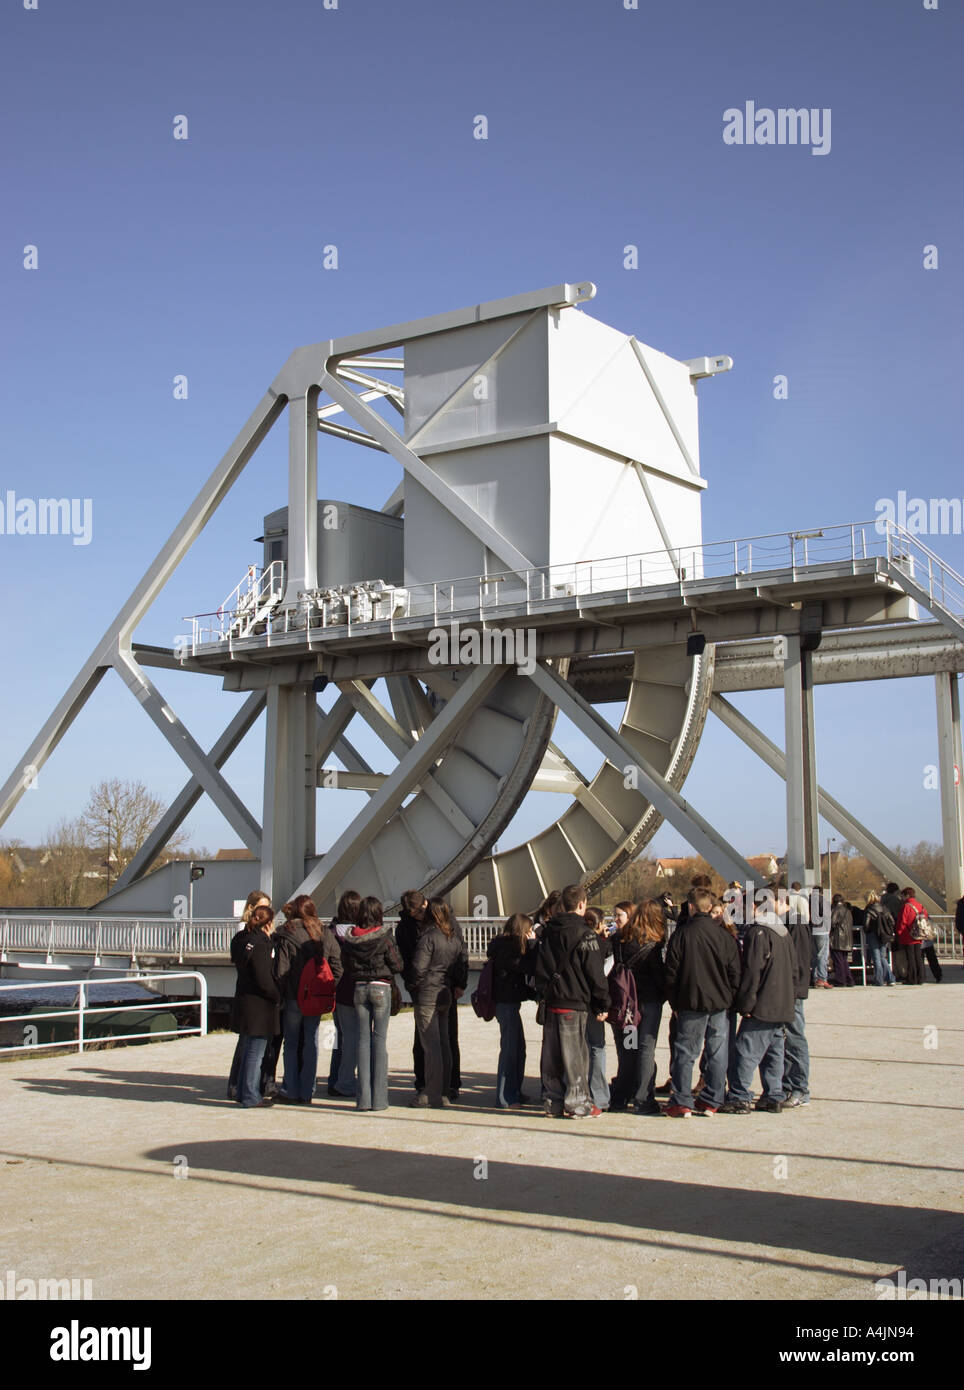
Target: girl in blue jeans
(369, 952)
(512, 954)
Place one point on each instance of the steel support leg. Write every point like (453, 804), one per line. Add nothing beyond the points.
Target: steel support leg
(289, 789)
(327, 876)
(950, 764)
(803, 850)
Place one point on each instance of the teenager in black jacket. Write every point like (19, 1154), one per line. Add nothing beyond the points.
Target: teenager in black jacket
(570, 981)
(512, 955)
(702, 977)
(439, 975)
(255, 1009)
(767, 1000)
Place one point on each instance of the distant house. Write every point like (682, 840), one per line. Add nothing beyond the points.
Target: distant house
(234, 854)
(766, 865)
(669, 868)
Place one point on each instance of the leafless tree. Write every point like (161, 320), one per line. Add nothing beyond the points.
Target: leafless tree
(133, 812)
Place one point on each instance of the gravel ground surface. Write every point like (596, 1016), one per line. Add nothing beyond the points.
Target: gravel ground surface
(474, 1202)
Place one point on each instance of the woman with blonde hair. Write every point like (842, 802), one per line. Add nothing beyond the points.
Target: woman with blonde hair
(639, 947)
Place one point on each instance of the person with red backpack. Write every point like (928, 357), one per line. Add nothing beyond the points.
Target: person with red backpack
(370, 953)
(638, 950)
(512, 954)
(910, 936)
(307, 968)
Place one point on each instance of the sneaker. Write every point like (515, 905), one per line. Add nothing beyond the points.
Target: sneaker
(553, 1112)
(678, 1112)
(594, 1112)
(649, 1110)
(771, 1107)
(419, 1103)
(445, 1103)
(663, 1090)
(736, 1107)
(794, 1101)
(701, 1108)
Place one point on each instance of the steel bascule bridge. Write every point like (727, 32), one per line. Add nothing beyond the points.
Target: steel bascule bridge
(550, 488)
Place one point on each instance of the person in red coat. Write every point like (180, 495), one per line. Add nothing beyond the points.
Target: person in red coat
(909, 936)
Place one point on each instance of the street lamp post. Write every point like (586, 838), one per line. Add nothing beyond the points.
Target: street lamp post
(831, 840)
(110, 812)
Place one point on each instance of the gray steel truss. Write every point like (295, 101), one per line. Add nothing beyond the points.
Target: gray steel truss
(626, 760)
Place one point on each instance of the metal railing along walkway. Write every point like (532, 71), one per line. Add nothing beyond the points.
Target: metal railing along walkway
(212, 937)
(83, 1010)
(745, 560)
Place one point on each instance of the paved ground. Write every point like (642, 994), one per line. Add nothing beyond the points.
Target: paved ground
(478, 1203)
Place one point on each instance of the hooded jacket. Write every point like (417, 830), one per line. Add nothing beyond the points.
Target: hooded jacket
(370, 953)
(768, 987)
(294, 948)
(702, 967)
(572, 949)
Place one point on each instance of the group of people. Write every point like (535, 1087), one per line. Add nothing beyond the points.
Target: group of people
(275, 1012)
(734, 972)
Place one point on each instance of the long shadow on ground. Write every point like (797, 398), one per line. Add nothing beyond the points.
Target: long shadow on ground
(869, 1231)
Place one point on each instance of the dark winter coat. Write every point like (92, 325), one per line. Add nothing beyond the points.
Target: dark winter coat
(841, 928)
(510, 969)
(407, 932)
(702, 967)
(894, 904)
(573, 950)
(768, 987)
(370, 953)
(256, 999)
(645, 960)
(294, 948)
(439, 961)
(802, 938)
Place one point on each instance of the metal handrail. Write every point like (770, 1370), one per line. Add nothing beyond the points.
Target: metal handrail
(83, 1010)
(681, 567)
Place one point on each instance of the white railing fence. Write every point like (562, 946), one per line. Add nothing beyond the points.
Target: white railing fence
(83, 1010)
(543, 586)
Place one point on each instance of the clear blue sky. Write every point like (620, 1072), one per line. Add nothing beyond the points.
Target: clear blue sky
(354, 126)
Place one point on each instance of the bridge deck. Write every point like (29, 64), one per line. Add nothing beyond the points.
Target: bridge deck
(289, 1202)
